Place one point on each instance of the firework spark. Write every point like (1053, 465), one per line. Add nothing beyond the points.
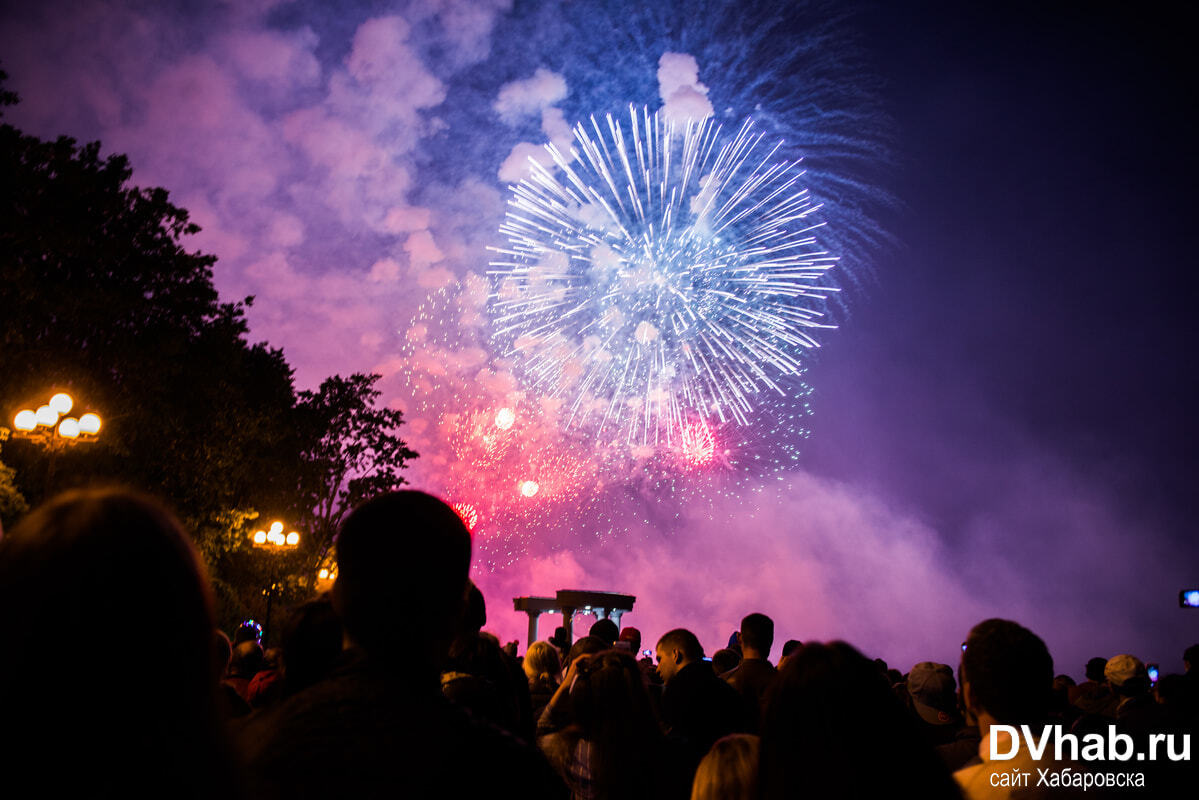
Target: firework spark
(658, 275)
(699, 445)
(505, 418)
(468, 514)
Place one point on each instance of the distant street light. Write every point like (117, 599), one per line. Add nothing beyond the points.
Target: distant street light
(326, 577)
(275, 541)
(49, 425)
(50, 428)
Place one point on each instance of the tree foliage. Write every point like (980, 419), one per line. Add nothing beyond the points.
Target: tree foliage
(12, 502)
(109, 306)
(103, 300)
(7, 98)
(352, 451)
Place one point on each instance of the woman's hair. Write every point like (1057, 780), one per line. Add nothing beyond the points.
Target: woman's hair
(541, 661)
(724, 660)
(729, 771)
(832, 728)
(72, 573)
(588, 645)
(612, 712)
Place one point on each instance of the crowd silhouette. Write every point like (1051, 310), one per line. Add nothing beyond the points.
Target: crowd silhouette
(115, 682)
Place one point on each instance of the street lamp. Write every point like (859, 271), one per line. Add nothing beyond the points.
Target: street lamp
(326, 577)
(50, 426)
(275, 541)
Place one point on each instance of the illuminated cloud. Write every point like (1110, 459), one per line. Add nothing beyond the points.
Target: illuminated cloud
(530, 95)
(533, 96)
(683, 96)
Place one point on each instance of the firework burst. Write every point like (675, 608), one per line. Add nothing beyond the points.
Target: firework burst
(660, 277)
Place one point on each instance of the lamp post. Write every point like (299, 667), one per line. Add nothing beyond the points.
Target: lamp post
(50, 427)
(275, 541)
(326, 576)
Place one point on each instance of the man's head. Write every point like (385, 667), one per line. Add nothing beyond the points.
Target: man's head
(1094, 669)
(560, 640)
(1007, 673)
(633, 637)
(757, 636)
(247, 660)
(933, 693)
(725, 660)
(677, 649)
(312, 641)
(1190, 658)
(586, 646)
(402, 560)
(605, 629)
(474, 616)
(248, 631)
(58, 565)
(790, 648)
(1127, 675)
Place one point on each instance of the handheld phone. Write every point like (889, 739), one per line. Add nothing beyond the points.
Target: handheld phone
(647, 653)
(1188, 598)
(1153, 672)
(963, 647)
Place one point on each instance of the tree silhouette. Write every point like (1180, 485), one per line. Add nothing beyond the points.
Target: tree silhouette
(352, 451)
(102, 299)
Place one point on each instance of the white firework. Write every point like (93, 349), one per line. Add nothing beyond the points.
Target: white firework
(658, 276)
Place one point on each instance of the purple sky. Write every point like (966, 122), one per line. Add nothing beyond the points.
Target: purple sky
(1003, 423)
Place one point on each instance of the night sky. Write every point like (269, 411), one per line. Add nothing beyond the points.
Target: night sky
(1024, 370)
(1002, 424)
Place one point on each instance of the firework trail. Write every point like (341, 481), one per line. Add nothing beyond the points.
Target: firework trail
(663, 281)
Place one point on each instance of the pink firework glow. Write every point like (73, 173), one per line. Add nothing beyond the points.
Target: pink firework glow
(699, 445)
(468, 513)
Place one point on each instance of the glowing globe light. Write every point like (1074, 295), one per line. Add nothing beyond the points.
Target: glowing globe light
(260, 537)
(61, 403)
(505, 418)
(529, 488)
(293, 539)
(89, 424)
(25, 420)
(47, 416)
(323, 574)
(699, 445)
(468, 513)
(276, 527)
(69, 428)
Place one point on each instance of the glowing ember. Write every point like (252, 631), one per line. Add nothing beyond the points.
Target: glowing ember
(529, 488)
(699, 445)
(468, 513)
(504, 418)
